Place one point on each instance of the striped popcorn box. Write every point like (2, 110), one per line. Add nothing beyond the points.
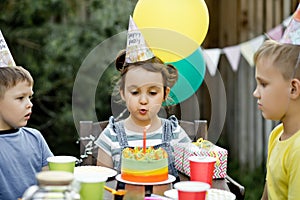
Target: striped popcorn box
(189, 151)
(178, 154)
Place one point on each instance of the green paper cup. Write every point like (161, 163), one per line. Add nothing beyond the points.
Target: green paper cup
(61, 163)
(91, 185)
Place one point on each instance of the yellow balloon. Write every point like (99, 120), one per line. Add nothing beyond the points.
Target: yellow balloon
(173, 29)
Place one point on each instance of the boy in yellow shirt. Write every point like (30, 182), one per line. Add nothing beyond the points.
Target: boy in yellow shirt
(278, 97)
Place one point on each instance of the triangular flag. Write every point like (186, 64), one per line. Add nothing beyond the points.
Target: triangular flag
(6, 58)
(275, 33)
(286, 22)
(291, 34)
(136, 49)
(250, 47)
(233, 55)
(211, 57)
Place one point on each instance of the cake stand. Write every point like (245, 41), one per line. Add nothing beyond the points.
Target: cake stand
(170, 179)
(139, 190)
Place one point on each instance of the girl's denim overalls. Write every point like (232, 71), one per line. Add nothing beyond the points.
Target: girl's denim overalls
(168, 127)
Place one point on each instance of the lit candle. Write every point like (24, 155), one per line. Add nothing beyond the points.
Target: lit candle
(144, 140)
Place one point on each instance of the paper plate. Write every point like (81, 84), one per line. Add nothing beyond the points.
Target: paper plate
(105, 171)
(171, 194)
(212, 194)
(216, 194)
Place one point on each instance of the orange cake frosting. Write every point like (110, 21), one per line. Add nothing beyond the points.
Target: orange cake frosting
(138, 166)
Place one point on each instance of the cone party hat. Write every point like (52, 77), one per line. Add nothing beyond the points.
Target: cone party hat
(291, 34)
(6, 58)
(136, 49)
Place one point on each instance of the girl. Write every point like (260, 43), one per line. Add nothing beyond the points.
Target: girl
(144, 86)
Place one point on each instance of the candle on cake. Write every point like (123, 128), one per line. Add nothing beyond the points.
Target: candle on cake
(144, 140)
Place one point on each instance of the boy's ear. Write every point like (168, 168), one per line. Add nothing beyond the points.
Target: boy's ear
(295, 88)
(122, 95)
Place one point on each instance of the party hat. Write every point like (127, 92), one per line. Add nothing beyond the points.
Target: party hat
(6, 58)
(291, 34)
(136, 49)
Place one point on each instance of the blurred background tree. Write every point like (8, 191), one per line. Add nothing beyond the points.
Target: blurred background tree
(51, 38)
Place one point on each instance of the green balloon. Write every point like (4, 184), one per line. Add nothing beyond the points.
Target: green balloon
(191, 72)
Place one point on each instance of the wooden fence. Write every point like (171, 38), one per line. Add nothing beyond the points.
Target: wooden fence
(244, 131)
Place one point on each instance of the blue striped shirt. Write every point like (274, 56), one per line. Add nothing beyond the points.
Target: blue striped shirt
(109, 143)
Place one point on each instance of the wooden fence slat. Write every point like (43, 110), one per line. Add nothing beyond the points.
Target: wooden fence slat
(258, 15)
(277, 12)
(228, 31)
(242, 107)
(259, 135)
(269, 14)
(251, 119)
(244, 22)
(286, 8)
(251, 19)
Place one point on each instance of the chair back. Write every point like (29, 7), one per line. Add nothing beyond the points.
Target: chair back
(196, 129)
(88, 133)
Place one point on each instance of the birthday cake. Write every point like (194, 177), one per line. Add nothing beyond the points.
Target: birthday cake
(149, 166)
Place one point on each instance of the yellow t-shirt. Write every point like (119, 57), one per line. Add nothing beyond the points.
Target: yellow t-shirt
(283, 166)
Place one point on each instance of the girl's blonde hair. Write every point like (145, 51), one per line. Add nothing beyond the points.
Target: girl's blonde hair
(284, 57)
(11, 76)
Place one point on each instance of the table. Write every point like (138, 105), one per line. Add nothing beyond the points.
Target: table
(216, 183)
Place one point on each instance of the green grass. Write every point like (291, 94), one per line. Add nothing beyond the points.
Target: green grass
(253, 180)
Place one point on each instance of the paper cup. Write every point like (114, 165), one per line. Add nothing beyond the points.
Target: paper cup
(91, 185)
(54, 178)
(191, 190)
(202, 168)
(61, 163)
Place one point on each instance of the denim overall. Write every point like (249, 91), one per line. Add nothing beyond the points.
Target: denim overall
(168, 127)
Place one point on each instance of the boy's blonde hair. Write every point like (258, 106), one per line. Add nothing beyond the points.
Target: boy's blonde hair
(283, 56)
(11, 76)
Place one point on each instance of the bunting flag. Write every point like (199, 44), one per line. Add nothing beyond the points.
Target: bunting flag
(275, 33)
(6, 58)
(250, 47)
(286, 22)
(211, 57)
(233, 55)
(291, 34)
(246, 49)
